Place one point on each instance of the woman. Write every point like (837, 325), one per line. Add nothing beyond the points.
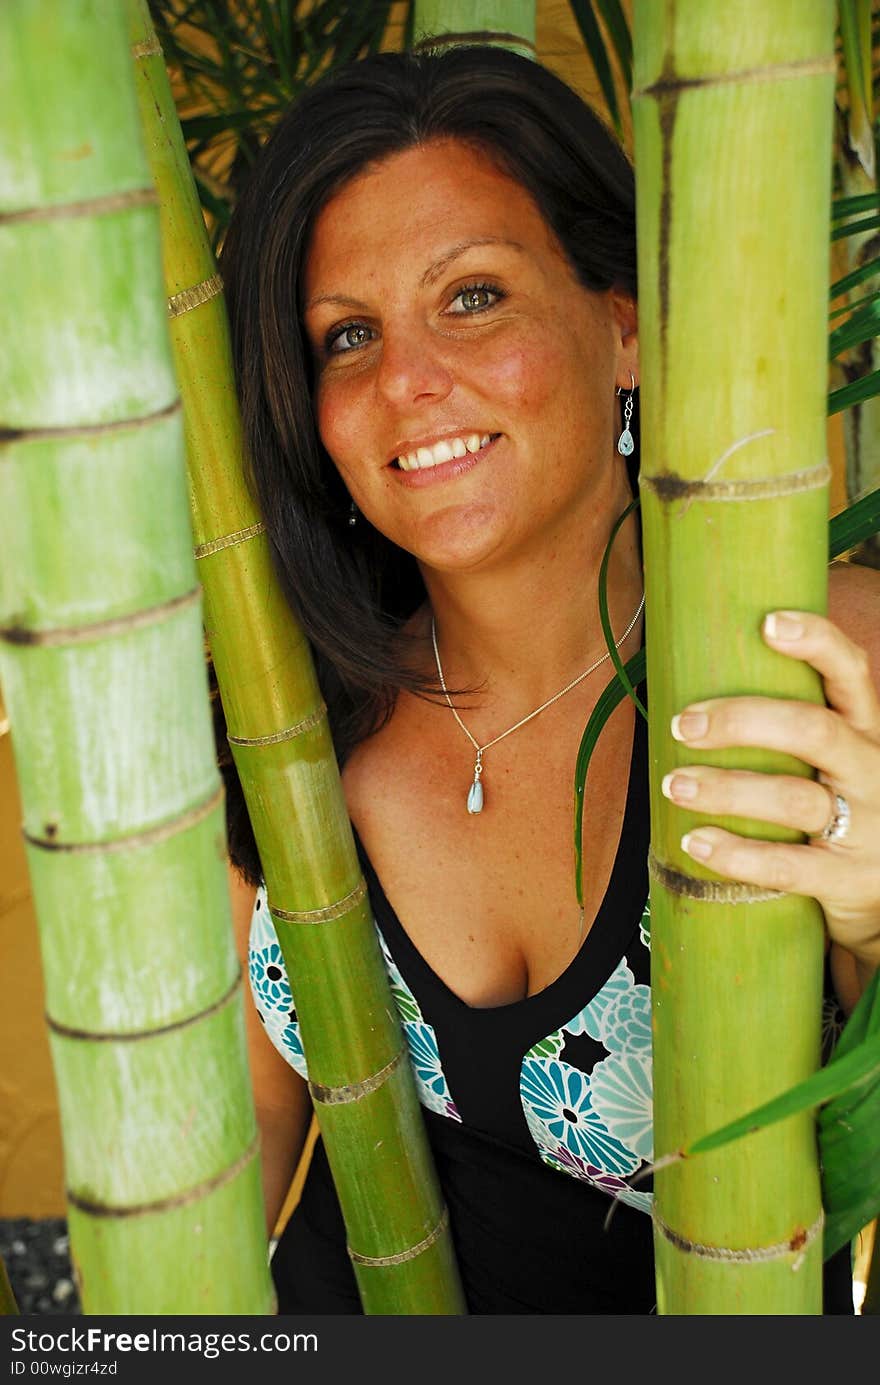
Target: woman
(432, 282)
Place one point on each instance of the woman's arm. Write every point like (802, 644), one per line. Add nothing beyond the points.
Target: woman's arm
(281, 1096)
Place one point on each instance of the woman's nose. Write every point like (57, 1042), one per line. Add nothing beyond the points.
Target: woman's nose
(412, 366)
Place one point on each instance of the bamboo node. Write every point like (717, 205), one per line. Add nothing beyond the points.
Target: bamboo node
(712, 891)
(669, 486)
(796, 1245)
(204, 550)
(147, 48)
(355, 1091)
(8, 436)
(288, 733)
(325, 915)
(187, 299)
(672, 85)
(100, 629)
(402, 1256)
(91, 206)
(167, 1204)
(137, 1035)
(432, 41)
(150, 837)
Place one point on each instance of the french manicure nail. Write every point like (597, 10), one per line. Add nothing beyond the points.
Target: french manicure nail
(689, 726)
(678, 786)
(696, 846)
(783, 625)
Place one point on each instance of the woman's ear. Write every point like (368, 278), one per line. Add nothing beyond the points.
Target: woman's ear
(626, 317)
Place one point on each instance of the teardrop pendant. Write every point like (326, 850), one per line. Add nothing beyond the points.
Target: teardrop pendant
(475, 797)
(625, 443)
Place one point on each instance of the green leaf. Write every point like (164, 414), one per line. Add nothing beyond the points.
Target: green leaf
(848, 206)
(613, 693)
(862, 326)
(852, 228)
(870, 270)
(856, 393)
(848, 1088)
(598, 54)
(853, 525)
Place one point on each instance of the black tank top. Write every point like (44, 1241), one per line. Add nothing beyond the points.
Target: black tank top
(538, 1113)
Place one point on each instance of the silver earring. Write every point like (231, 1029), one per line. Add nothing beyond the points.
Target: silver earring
(352, 515)
(625, 442)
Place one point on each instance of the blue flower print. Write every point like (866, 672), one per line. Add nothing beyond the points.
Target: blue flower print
(430, 1078)
(589, 1020)
(626, 1022)
(621, 1090)
(558, 1107)
(269, 979)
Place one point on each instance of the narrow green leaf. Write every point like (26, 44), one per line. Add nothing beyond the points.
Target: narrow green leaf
(598, 54)
(619, 33)
(863, 326)
(848, 206)
(868, 270)
(853, 525)
(603, 609)
(858, 1068)
(613, 693)
(852, 228)
(856, 393)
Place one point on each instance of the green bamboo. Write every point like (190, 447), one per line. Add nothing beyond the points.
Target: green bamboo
(103, 671)
(360, 1077)
(857, 168)
(510, 23)
(732, 121)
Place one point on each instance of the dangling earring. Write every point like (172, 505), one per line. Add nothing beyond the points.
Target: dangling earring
(352, 515)
(625, 442)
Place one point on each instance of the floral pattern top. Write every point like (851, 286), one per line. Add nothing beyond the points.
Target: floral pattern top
(564, 1075)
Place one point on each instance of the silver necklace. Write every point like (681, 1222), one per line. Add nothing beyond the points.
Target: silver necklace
(475, 793)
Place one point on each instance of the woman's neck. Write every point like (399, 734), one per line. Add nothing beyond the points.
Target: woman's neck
(521, 632)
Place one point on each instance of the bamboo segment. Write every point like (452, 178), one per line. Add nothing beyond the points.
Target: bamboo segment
(732, 117)
(103, 671)
(509, 23)
(281, 744)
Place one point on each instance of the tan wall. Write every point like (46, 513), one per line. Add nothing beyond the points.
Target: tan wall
(31, 1182)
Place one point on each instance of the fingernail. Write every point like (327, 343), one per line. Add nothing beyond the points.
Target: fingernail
(696, 846)
(689, 726)
(783, 625)
(678, 786)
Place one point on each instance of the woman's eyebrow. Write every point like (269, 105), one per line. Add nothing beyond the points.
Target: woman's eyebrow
(436, 269)
(431, 274)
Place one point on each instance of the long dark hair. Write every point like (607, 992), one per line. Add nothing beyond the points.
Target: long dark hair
(350, 588)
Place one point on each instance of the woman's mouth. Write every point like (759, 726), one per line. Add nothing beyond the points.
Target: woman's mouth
(445, 458)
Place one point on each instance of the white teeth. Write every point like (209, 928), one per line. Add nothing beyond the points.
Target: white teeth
(442, 451)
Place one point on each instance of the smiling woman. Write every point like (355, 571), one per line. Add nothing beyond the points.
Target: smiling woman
(432, 286)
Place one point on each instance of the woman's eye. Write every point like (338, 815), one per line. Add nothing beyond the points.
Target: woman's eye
(348, 338)
(476, 298)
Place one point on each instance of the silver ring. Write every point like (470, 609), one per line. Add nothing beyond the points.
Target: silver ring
(837, 826)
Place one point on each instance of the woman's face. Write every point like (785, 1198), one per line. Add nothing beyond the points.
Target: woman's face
(465, 380)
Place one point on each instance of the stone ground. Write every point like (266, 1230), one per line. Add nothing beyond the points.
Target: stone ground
(37, 1259)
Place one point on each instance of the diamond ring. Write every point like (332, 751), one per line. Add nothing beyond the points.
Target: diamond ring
(837, 826)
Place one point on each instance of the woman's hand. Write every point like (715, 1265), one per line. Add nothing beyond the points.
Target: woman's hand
(841, 740)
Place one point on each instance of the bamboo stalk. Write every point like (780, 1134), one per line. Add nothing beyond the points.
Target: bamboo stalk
(360, 1077)
(103, 670)
(732, 119)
